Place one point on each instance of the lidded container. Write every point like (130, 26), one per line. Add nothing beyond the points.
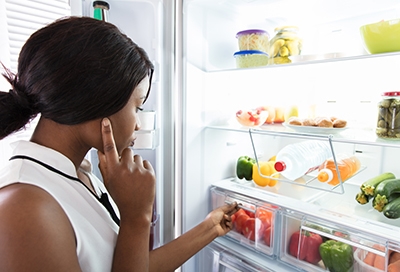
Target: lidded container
(388, 123)
(253, 39)
(286, 42)
(251, 58)
(101, 10)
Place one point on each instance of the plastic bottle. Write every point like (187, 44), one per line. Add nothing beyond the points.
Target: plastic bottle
(100, 10)
(296, 160)
(347, 165)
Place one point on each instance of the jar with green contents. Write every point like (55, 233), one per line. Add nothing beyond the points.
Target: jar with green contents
(388, 124)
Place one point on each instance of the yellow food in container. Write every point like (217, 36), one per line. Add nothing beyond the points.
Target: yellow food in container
(253, 39)
(284, 44)
(251, 58)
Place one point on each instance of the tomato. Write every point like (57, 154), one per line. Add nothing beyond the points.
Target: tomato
(250, 214)
(249, 230)
(261, 211)
(240, 221)
(233, 218)
(267, 236)
(265, 220)
(239, 212)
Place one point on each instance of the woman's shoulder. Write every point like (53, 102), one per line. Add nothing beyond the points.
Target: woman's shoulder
(34, 225)
(26, 203)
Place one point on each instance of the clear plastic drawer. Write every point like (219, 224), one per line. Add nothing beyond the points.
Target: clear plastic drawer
(315, 245)
(253, 223)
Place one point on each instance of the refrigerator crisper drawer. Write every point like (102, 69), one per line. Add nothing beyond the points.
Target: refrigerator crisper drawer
(253, 224)
(216, 258)
(313, 244)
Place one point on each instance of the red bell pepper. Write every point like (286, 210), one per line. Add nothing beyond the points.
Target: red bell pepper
(309, 247)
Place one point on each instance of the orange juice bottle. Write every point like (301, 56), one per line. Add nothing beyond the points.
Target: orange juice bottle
(347, 165)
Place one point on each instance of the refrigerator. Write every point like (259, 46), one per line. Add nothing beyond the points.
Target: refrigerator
(193, 139)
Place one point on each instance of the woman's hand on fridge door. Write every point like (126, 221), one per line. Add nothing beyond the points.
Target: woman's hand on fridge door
(129, 179)
(220, 219)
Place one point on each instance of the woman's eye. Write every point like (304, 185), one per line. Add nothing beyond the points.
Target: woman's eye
(139, 109)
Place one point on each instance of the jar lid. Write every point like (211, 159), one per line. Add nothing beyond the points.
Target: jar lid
(251, 31)
(391, 94)
(250, 52)
(286, 28)
(101, 4)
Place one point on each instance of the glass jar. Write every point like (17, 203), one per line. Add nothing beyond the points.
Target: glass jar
(285, 43)
(388, 123)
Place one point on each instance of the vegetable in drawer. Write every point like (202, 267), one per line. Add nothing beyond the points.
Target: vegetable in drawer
(337, 256)
(304, 245)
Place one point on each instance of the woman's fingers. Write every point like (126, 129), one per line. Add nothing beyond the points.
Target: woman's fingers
(109, 149)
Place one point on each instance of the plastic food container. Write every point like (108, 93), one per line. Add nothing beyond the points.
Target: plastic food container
(251, 58)
(388, 123)
(381, 37)
(359, 265)
(253, 39)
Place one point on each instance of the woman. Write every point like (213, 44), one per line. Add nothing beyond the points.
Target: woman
(87, 81)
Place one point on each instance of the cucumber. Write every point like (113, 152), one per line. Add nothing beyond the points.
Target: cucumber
(385, 189)
(392, 209)
(369, 186)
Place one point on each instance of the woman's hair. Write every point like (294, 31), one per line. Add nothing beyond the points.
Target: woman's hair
(74, 70)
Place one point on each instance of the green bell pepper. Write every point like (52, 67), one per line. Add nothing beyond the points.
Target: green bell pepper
(244, 167)
(337, 256)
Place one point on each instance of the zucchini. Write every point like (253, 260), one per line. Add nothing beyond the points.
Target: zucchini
(378, 199)
(369, 186)
(362, 198)
(385, 189)
(392, 209)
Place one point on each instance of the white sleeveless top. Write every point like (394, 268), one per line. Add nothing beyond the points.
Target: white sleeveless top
(95, 231)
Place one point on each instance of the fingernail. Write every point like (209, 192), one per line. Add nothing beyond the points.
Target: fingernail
(106, 122)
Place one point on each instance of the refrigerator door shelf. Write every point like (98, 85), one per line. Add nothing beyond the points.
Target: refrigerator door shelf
(146, 139)
(254, 224)
(147, 119)
(293, 245)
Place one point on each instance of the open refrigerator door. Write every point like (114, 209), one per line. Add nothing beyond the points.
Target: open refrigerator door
(147, 23)
(331, 75)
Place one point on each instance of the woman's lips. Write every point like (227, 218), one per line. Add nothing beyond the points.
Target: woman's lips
(132, 142)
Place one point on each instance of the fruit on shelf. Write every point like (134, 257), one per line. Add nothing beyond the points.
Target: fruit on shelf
(262, 173)
(271, 113)
(292, 111)
(251, 118)
(279, 115)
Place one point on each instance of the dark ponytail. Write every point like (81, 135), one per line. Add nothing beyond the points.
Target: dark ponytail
(72, 71)
(16, 108)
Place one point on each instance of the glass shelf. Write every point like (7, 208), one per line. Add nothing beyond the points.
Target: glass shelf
(350, 136)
